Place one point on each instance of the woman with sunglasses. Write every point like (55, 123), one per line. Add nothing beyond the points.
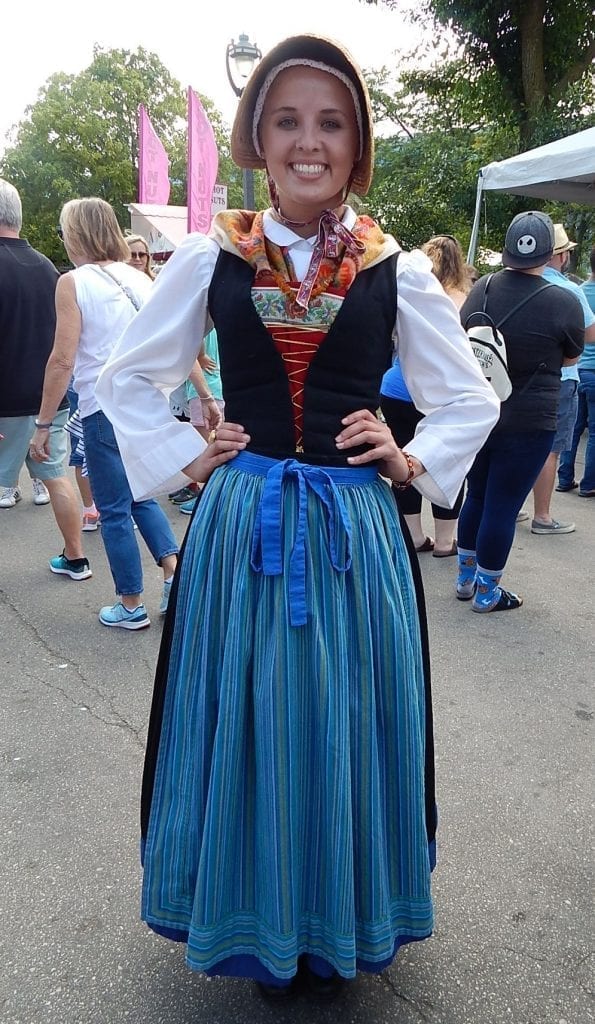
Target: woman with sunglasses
(140, 257)
(288, 800)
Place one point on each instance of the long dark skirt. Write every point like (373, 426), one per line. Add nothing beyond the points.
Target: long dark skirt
(288, 794)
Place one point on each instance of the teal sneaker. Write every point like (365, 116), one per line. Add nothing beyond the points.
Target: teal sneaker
(76, 568)
(187, 508)
(118, 615)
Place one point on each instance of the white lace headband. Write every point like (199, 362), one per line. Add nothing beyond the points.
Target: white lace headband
(320, 66)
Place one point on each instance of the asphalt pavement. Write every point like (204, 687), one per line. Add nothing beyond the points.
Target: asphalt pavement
(513, 696)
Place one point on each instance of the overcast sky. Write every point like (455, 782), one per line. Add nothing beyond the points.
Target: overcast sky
(40, 38)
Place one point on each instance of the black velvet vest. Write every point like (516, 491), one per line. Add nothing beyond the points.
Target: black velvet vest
(344, 375)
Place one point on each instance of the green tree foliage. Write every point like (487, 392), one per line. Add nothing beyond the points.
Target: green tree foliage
(80, 139)
(491, 92)
(540, 49)
(426, 164)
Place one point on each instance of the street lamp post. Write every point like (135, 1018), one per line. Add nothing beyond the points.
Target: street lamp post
(244, 55)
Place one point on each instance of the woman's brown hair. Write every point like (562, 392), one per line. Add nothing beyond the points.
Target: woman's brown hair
(91, 229)
(448, 262)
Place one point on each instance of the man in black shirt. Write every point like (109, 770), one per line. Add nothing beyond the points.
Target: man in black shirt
(27, 324)
(545, 334)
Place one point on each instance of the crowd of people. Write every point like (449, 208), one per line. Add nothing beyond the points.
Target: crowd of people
(288, 805)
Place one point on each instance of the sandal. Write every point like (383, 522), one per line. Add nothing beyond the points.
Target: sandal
(507, 602)
(453, 550)
(428, 545)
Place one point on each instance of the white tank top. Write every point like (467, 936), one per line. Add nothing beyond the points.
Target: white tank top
(105, 312)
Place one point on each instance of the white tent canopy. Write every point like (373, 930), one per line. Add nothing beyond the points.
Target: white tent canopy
(563, 170)
(164, 227)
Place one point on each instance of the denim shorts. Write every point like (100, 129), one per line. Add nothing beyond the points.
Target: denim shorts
(14, 449)
(567, 411)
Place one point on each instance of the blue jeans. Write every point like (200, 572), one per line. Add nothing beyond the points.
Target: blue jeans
(585, 420)
(113, 498)
(500, 479)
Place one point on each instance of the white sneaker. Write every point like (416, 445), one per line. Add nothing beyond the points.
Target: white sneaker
(40, 493)
(9, 497)
(90, 522)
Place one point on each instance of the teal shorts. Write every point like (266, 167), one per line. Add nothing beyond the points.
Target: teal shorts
(14, 449)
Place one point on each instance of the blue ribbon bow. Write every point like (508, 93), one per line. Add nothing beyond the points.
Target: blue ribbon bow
(267, 548)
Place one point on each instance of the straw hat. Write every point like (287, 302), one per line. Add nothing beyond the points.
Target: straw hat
(307, 48)
(562, 242)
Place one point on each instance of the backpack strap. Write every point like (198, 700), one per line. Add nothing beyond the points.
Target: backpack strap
(485, 292)
(523, 302)
(518, 306)
(482, 312)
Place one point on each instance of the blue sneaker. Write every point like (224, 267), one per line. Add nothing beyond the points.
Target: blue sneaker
(118, 615)
(165, 595)
(76, 568)
(187, 507)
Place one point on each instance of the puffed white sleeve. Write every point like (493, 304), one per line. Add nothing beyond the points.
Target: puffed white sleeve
(459, 406)
(153, 356)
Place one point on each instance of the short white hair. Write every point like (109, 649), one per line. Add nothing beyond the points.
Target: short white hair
(11, 210)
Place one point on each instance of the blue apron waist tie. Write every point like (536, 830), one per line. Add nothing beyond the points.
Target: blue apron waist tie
(267, 547)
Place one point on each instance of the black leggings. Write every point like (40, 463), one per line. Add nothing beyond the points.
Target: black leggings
(402, 418)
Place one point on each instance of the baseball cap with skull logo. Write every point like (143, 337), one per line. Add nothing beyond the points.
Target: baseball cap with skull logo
(529, 241)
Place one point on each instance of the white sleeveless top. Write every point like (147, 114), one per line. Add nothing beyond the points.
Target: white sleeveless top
(105, 311)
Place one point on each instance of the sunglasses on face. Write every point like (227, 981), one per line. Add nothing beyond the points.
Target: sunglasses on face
(59, 232)
(138, 255)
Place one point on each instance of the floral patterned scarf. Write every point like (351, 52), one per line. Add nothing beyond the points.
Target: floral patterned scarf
(244, 232)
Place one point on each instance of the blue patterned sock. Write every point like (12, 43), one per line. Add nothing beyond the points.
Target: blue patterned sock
(488, 592)
(467, 563)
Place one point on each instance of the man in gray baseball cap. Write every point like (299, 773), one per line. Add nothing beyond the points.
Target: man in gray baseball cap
(529, 241)
(543, 329)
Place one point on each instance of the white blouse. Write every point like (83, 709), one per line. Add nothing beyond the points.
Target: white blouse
(158, 348)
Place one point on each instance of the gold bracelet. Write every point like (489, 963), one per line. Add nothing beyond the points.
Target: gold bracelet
(402, 485)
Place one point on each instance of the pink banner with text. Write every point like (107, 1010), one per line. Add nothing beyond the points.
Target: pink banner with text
(203, 162)
(153, 164)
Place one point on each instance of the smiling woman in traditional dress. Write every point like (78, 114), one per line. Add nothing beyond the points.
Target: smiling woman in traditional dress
(288, 797)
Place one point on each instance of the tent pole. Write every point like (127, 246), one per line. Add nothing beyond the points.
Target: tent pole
(476, 219)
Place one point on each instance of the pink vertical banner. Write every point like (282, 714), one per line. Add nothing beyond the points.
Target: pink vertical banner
(203, 162)
(153, 165)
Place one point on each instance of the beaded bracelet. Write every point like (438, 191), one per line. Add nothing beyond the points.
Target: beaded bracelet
(402, 485)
